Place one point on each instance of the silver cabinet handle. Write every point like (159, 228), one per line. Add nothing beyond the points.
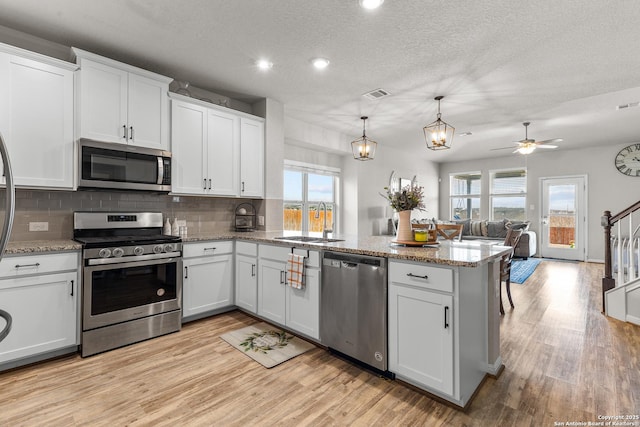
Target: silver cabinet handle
(131, 133)
(124, 131)
(186, 272)
(205, 184)
(253, 270)
(283, 277)
(209, 183)
(243, 186)
(425, 277)
(37, 264)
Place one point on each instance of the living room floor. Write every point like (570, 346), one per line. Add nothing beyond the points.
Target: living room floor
(564, 361)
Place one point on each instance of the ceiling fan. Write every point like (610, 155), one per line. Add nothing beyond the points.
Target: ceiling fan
(527, 145)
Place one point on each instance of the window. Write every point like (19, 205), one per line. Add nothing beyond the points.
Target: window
(465, 195)
(305, 187)
(508, 196)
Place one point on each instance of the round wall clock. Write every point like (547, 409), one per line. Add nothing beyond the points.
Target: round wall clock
(628, 160)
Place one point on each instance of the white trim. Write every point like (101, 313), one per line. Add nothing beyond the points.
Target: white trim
(494, 368)
(310, 167)
(633, 319)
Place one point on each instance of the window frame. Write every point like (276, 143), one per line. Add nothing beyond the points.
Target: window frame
(493, 195)
(470, 196)
(307, 205)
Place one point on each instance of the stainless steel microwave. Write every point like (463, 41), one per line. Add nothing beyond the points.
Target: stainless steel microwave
(106, 165)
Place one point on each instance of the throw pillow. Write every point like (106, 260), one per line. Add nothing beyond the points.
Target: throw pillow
(466, 226)
(476, 228)
(518, 225)
(496, 229)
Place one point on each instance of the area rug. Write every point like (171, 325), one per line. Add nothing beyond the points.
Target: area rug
(522, 269)
(266, 345)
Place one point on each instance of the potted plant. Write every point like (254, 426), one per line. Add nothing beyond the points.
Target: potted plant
(404, 201)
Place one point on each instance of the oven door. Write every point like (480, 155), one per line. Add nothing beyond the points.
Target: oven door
(115, 293)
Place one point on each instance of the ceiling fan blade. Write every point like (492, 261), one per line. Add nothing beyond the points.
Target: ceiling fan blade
(501, 148)
(546, 146)
(549, 141)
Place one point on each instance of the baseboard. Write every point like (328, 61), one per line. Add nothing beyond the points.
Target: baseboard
(596, 261)
(633, 319)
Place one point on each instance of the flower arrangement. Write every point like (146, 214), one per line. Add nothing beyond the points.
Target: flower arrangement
(408, 198)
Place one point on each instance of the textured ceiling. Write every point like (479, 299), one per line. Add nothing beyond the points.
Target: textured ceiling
(563, 65)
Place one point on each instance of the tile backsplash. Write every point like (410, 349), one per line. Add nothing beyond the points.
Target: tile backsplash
(203, 214)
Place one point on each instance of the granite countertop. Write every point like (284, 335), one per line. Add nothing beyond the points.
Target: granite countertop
(463, 254)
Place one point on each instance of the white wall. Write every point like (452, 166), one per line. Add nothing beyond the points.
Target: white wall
(607, 188)
(363, 211)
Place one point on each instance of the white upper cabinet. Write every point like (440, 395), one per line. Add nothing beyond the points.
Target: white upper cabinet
(216, 151)
(251, 158)
(121, 103)
(36, 117)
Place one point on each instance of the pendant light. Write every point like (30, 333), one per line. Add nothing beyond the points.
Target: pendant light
(439, 134)
(364, 148)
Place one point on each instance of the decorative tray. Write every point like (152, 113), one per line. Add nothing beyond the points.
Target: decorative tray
(413, 243)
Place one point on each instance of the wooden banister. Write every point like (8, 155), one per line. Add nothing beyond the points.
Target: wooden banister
(607, 221)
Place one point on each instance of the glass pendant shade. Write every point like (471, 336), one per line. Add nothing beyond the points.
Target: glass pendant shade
(364, 148)
(438, 134)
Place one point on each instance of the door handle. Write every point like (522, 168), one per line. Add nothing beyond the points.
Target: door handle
(446, 316)
(545, 220)
(283, 277)
(72, 288)
(186, 272)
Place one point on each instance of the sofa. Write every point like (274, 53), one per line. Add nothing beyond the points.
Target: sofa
(497, 230)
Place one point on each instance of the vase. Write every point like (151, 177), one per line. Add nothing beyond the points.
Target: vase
(404, 233)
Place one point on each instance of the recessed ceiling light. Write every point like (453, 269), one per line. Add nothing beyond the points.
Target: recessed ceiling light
(371, 4)
(320, 63)
(264, 64)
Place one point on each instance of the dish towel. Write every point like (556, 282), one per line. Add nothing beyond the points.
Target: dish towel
(295, 271)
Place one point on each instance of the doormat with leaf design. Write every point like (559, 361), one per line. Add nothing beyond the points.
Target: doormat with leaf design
(266, 344)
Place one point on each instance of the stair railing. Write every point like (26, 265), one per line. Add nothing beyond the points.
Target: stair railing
(608, 221)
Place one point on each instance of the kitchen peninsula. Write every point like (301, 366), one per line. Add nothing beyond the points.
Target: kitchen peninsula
(443, 300)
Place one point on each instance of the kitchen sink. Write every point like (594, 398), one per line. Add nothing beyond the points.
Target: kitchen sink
(308, 239)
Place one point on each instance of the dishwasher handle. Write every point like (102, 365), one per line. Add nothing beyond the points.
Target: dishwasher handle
(349, 265)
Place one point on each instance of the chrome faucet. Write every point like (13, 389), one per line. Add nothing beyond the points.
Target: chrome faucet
(325, 230)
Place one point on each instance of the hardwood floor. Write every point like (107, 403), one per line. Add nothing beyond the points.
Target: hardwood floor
(564, 360)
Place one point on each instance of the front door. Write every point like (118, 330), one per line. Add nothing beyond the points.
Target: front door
(563, 219)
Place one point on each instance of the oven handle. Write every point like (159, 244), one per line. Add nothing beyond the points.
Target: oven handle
(140, 258)
(147, 263)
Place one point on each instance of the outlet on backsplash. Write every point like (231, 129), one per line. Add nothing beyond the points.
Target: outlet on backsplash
(38, 226)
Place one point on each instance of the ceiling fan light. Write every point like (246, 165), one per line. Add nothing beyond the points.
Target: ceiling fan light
(364, 148)
(371, 4)
(526, 149)
(439, 134)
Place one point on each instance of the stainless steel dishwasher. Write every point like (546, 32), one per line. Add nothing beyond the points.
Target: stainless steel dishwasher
(353, 317)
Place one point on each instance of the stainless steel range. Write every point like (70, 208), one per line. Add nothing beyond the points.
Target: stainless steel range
(131, 279)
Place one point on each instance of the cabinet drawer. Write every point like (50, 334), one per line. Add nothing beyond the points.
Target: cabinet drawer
(246, 248)
(38, 264)
(210, 248)
(276, 253)
(421, 276)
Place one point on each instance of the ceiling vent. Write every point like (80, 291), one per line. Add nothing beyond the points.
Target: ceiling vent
(376, 94)
(629, 105)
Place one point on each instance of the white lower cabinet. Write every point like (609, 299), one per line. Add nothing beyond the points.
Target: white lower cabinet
(42, 299)
(421, 336)
(207, 281)
(247, 276)
(297, 309)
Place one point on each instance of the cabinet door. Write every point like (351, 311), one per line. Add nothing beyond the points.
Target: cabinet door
(147, 116)
(42, 151)
(44, 313)
(103, 102)
(247, 283)
(303, 305)
(188, 145)
(421, 337)
(207, 284)
(222, 171)
(251, 158)
(271, 290)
